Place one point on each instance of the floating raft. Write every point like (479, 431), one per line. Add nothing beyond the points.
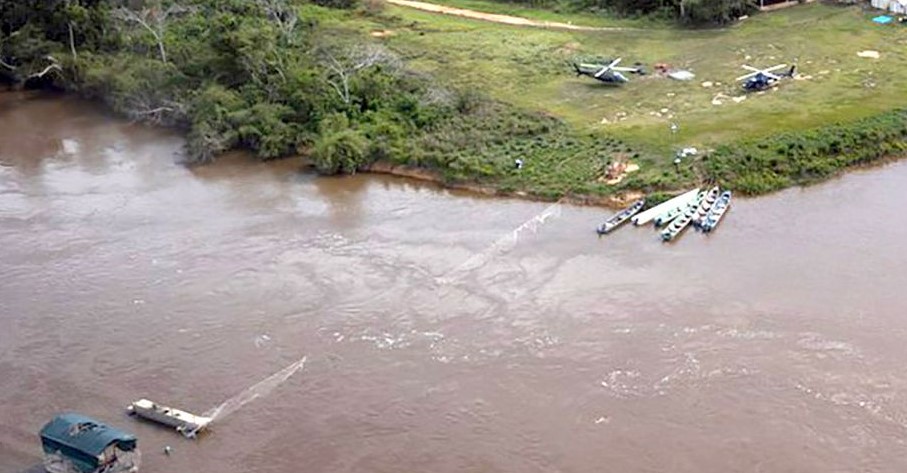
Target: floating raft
(184, 422)
(677, 202)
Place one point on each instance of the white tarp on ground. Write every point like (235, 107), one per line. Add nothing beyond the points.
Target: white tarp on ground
(681, 75)
(894, 6)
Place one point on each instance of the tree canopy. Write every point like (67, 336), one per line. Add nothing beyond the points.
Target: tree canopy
(236, 73)
(265, 76)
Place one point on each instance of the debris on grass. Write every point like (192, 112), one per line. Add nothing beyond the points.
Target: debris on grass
(869, 54)
(688, 151)
(617, 170)
(707, 84)
(681, 75)
(718, 99)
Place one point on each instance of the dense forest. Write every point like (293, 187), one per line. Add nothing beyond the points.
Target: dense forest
(263, 75)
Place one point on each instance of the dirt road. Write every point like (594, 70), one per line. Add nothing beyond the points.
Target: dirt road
(505, 19)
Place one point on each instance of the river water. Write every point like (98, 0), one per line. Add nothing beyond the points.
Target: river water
(440, 332)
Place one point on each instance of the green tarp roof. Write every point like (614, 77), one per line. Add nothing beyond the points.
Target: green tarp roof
(85, 434)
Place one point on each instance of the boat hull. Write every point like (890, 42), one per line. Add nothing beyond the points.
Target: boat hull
(681, 222)
(184, 422)
(645, 217)
(706, 205)
(717, 212)
(621, 217)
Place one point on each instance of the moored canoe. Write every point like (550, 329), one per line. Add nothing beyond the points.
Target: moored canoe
(717, 212)
(679, 201)
(619, 218)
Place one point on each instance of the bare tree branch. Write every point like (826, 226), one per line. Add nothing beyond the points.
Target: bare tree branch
(282, 14)
(152, 19)
(54, 66)
(344, 65)
(72, 42)
(8, 66)
(155, 111)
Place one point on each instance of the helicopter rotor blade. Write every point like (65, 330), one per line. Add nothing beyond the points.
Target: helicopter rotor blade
(775, 68)
(607, 68)
(747, 76)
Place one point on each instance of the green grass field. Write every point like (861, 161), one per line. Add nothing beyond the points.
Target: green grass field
(530, 68)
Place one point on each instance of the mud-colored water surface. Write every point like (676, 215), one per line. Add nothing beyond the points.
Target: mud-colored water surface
(440, 332)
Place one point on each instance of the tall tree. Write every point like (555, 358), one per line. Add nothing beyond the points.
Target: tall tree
(153, 17)
(343, 64)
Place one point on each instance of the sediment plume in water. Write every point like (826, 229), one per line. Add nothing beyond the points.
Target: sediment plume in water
(502, 244)
(260, 389)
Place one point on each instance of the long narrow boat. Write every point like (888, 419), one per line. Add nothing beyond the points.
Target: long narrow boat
(645, 217)
(680, 223)
(721, 205)
(619, 218)
(671, 214)
(676, 213)
(185, 423)
(706, 205)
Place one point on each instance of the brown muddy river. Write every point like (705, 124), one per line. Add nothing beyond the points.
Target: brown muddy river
(441, 332)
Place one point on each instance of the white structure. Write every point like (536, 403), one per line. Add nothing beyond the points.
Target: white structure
(893, 6)
(677, 202)
(185, 423)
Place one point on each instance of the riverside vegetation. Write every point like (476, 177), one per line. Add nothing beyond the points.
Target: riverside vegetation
(461, 98)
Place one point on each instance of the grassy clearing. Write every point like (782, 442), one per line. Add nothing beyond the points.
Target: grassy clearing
(529, 68)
